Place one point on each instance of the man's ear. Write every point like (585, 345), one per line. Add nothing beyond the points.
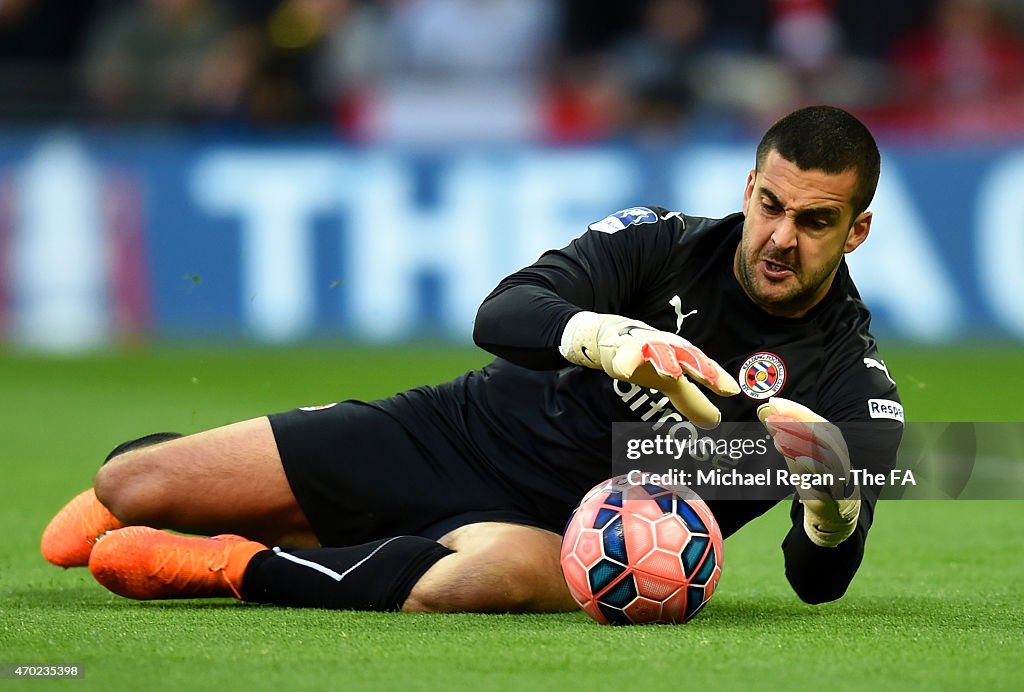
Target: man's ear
(858, 232)
(749, 190)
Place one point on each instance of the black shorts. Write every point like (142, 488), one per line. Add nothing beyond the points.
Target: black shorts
(360, 474)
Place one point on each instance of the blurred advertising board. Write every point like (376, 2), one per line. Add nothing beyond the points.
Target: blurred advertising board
(283, 239)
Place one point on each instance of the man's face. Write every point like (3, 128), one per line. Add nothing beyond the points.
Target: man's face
(798, 226)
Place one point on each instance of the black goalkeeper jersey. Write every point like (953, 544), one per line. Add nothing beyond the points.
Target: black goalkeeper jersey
(533, 422)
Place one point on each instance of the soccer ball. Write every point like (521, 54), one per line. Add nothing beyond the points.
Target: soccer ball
(635, 554)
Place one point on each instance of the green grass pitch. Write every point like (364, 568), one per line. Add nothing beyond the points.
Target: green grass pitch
(937, 603)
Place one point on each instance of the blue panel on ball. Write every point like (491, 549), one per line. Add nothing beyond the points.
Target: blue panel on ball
(602, 574)
(614, 499)
(614, 615)
(694, 601)
(693, 552)
(615, 542)
(665, 502)
(706, 570)
(690, 518)
(620, 595)
(653, 489)
(604, 515)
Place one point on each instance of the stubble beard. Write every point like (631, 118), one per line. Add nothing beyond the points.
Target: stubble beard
(797, 299)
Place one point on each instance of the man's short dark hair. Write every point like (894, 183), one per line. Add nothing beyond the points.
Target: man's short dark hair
(824, 138)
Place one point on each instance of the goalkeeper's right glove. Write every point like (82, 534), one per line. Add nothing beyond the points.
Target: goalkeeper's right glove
(638, 353)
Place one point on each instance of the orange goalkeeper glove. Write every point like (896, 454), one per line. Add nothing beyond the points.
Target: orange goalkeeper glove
(812, 445)
(637, 353)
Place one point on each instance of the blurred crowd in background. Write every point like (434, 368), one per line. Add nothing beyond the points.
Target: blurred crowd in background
(552, 71)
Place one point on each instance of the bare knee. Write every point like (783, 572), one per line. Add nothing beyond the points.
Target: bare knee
(225, 480)
(130, 487)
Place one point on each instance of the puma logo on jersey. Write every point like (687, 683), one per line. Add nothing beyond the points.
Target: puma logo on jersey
(677, 304)
(879, 365)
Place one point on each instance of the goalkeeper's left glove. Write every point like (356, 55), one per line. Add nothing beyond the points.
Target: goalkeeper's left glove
(812, 445)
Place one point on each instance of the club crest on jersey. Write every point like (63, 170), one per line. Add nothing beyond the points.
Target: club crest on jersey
(623, 219)
(762, 375)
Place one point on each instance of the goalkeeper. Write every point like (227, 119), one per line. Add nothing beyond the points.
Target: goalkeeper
(452, 497)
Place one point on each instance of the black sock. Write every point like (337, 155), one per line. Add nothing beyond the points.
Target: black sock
(372, 576)
(144, 441)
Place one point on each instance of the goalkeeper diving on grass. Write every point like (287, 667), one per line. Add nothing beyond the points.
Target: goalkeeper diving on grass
(452, 497)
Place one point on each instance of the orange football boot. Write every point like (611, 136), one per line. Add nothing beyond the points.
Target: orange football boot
(143, 563)
(71, 534)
